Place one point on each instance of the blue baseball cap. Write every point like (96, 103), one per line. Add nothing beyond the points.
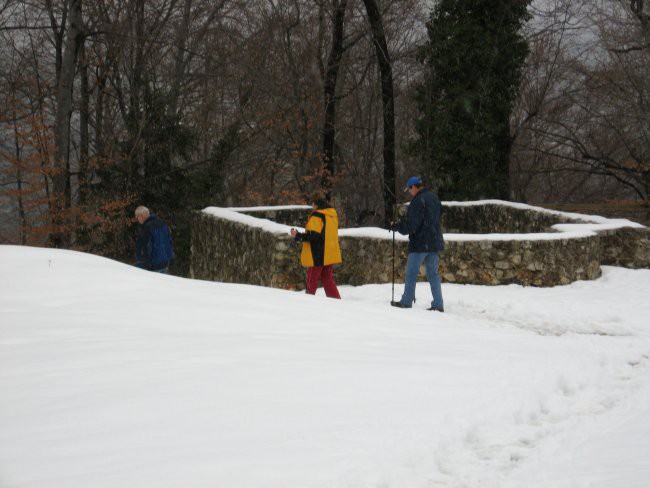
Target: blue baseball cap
(413, 180)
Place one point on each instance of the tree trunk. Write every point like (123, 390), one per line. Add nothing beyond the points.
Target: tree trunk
(99, 113)
(180, 42)
(331, 78)
(136, 110)
(388, 102)
(19, 183)
(637, 8)
(61, 176)
(84, 143)
(504, 149)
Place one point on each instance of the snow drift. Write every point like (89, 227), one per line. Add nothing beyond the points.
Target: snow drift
(111, 376)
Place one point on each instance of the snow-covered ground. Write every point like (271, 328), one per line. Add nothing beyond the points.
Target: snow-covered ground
(115, 377)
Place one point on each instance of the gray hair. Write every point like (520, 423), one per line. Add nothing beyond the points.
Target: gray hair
(141, 210)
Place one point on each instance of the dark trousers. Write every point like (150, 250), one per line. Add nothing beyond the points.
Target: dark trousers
(324, 274)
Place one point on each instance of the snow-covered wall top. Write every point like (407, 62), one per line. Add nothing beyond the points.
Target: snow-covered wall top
(235, 215)
(573, 225)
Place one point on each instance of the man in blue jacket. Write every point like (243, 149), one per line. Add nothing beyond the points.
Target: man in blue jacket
(422, 224)
(153, 249)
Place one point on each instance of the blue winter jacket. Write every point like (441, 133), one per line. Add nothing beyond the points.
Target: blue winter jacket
(154, 249)
(422, 223)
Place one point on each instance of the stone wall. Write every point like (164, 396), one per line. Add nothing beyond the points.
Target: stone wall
(368, 260)
(232, 251)
(496, 218)
(627, 247)
(532, 262)
(525, 262)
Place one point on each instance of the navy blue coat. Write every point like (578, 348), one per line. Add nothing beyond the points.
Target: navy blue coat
(153, 249)
(422, 223)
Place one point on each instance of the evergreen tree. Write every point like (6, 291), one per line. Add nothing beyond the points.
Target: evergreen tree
(473, 62)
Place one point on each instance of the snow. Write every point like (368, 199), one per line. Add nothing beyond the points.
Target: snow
(306, 208)
(592, 224)
(111, 376)
(234, 215)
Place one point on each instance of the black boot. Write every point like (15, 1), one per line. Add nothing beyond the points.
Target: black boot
(436, 309)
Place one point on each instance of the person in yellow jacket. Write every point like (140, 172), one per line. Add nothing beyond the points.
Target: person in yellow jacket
(320, 247)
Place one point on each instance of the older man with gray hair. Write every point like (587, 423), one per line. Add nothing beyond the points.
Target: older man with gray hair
(154, 249)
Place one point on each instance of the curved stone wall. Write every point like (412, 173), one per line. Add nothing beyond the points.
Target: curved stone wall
(525, 262)
(627, 247)
(522, 244)
(231, 251)
(488, 218)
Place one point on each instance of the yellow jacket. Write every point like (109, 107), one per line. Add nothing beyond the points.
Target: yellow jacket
(320, 242)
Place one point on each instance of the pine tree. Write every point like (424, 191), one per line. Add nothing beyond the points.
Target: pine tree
(473, 62)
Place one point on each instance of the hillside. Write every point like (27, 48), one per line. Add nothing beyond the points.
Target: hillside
(111, 376)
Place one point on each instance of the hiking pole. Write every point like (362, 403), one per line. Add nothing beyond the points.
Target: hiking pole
(392, 227)
(392, 297)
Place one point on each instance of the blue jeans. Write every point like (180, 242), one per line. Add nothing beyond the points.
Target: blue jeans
(413, 264)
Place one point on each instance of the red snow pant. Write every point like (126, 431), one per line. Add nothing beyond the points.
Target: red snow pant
(324, 274)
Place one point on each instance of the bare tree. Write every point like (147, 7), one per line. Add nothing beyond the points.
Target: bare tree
(193, 102)
(582, 121)
(331, 76)
(66, 69)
